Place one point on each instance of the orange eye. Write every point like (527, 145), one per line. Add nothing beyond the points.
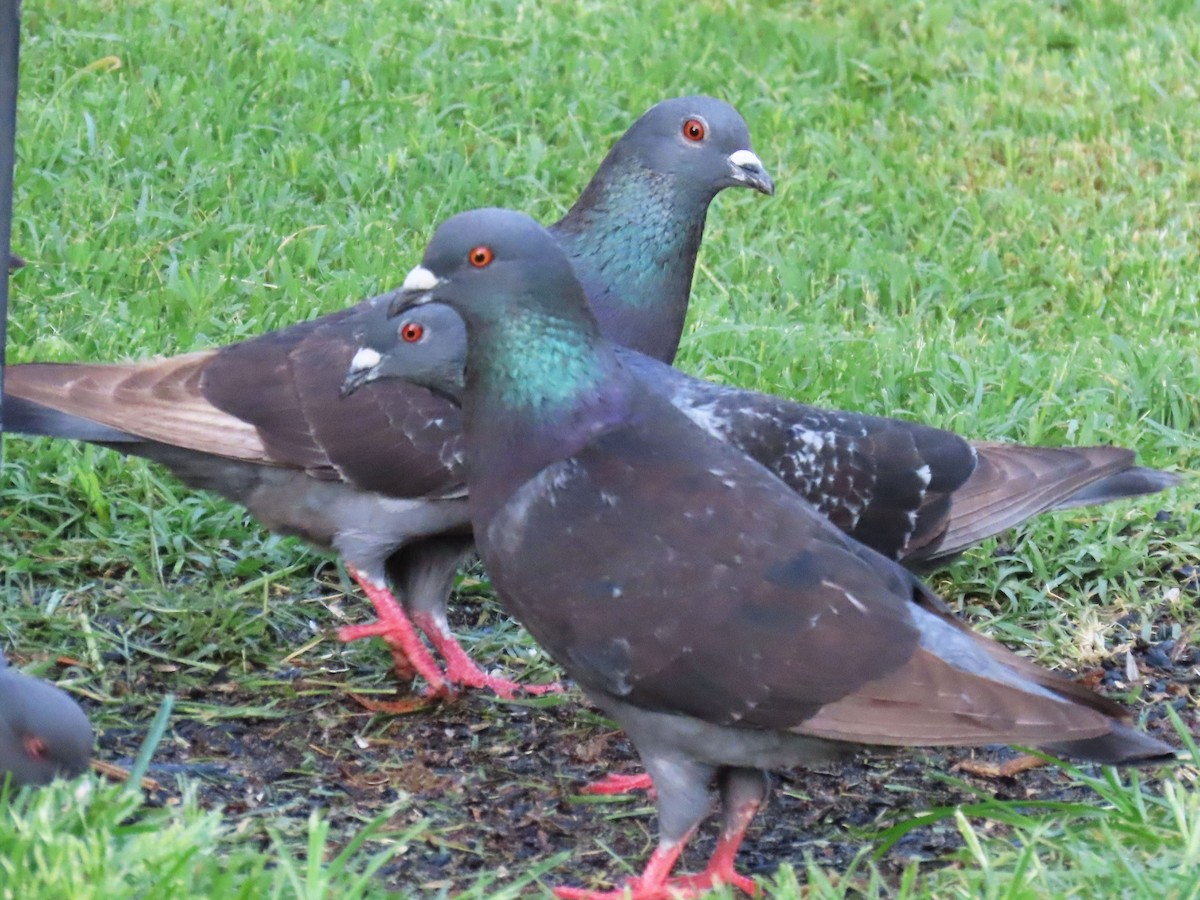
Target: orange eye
(693, 130)
(412, 332)
(35, 747)
(480, 256)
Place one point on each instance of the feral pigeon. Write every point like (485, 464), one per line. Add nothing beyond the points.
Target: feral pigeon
(723, 623)
(43, 732)
(913, 493)
(377, 478)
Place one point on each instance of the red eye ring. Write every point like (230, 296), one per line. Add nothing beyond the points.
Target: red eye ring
(35, 747)
(411, 332)
(694, 130)
(480, 256)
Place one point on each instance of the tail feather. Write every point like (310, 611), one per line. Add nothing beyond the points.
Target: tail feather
(1131, 483)
(21, 416)
(158, 400)
(1122, 746)
(1012, 483)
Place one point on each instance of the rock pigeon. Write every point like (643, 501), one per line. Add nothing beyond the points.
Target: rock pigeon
(43, 732)
(377, 478)
(914, 493)
(723, 623)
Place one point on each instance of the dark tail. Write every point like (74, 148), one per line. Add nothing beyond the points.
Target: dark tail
(1012, 483)
(1130, 483)
(1123, 746)
(26, 417)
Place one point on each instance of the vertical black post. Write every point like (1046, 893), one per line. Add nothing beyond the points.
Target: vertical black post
(10, 43)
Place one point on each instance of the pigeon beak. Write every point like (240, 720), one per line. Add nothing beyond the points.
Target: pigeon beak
(362, 371)
(415, 290)
(748, 169)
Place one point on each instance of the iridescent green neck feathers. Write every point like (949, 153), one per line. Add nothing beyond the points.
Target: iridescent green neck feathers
(537, 362)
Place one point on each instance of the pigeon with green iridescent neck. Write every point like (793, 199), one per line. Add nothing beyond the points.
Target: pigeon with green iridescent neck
(43, 732)
(377, 478)
(722, 622)
(917, 494)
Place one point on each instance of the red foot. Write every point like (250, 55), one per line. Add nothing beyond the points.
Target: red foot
(698, 885)
(685, 886)
(634, 889)
(652, 884)
(720, 864)
(619, 784)
(402, 639)
(461, 669)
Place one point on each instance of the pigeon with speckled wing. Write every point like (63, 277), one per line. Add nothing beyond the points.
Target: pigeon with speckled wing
(43, 732)
(723, 623)
(916, 494)
(913, 493)
(377, 477)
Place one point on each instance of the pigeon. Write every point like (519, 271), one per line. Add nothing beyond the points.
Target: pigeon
(377, 478)
(724, 624)
(43, 732)
(916, 494)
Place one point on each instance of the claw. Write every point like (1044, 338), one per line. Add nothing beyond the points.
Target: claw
(652, 884)
(680, 888)
(409, 653)
(461, 669)
(655, 884)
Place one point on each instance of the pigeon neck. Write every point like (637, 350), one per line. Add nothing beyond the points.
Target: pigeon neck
(538, 389)
(632, 238)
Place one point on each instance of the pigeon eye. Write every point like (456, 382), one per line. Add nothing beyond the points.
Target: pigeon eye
(411, 332)
(35, 747)
(694, 130)
(480, 256)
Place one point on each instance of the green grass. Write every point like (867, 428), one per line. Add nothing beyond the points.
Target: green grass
(986, 220)
(92, 840)
(1129, 844)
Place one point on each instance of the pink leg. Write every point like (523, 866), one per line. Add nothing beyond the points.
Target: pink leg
(720, 865)
(742, 793)
(652, 884)
(402, 639)
(619, 784)
(461, 669)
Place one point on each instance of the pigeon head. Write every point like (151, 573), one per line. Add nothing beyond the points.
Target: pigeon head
(540, 380)
(634, 233)
(700, 143)
(43, 732)
(426, 346)
(497, 268)
(535, 352)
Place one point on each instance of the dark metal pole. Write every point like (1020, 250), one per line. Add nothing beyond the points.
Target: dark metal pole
(10, 43)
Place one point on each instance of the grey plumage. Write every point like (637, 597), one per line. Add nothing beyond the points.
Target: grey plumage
(43, 732)
(914, 493)
(722, 622)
